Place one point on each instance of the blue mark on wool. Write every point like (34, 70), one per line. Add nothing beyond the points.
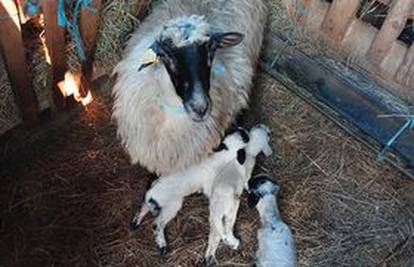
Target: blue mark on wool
(170, 108)
(187, 29)
(219, 69)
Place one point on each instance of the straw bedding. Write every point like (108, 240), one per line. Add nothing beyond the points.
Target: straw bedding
(68, 200)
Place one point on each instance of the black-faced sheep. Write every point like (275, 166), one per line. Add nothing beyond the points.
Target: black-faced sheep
(275, 240)
(166, 194)
(186, 74)
(224, 199)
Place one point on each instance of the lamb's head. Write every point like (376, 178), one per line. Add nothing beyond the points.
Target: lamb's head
(235, 140)
(260, 186)
(186, 47)
(259, 141)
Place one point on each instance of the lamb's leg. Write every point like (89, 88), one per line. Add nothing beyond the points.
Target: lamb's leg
(213, 242)
(229, 222)
(167, 213)
(136, 221)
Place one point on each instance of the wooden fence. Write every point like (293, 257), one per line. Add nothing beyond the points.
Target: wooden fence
(378, 35)
(12, 49)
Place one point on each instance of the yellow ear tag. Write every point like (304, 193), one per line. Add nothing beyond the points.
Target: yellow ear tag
(149, 57)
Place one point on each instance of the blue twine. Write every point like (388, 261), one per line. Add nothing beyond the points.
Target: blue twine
(31, 8)
(409, 125)
(73, 26)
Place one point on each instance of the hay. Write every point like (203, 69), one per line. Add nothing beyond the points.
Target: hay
(69, 199)
(118, 20)
(8, 109)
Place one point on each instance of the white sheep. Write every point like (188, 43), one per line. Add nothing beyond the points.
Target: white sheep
(166, 194)
(224, 199)
(276, 247)
(187, 72)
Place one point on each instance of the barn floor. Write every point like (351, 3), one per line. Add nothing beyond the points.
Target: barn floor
(67, 199)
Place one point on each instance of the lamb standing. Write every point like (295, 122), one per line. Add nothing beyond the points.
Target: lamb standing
(227, 188)
(275, 240)
(167, 193)
(186, 74)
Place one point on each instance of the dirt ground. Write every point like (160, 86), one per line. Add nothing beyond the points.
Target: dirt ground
(67, 199)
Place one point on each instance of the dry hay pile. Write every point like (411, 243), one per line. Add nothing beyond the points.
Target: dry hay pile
(118, 19)
(8, 109)
(68, 200)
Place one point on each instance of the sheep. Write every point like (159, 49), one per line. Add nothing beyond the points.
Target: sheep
(276, 247)
(224, 199)
(166, 194)
(186, 73)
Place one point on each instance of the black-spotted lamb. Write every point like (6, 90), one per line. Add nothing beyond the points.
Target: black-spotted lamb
(224, 199)
(187, 72)
(276, 247)
(167, 194)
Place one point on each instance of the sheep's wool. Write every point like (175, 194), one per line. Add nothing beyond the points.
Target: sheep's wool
(153, 134)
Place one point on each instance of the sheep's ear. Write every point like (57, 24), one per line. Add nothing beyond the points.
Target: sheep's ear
(149, 58)
(228, 39)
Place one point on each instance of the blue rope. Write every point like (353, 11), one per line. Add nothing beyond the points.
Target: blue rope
(31, 7)
(72, 26)
(409, 125)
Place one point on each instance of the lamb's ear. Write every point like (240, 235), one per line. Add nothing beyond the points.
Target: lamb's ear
(241, 156)
(221, 147)
(227, 39)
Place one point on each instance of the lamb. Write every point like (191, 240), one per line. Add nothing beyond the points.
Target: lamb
(166, 194)
(275, 240)
(224, 199)
(187, 72)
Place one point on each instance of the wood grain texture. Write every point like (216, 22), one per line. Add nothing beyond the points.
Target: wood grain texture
(347, 96)
(55, 42)
(11, 46)
(89, 24)
(390, 30)
(339, 17)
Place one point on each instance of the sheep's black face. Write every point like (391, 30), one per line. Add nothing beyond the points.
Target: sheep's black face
(189, 68)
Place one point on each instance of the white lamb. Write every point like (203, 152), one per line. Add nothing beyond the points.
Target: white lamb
(227, 188)
(167, 193)
(275, 240)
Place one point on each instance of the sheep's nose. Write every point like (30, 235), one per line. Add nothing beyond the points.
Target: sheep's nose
(200, 107)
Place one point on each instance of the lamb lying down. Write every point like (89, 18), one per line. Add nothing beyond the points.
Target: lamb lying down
(227, 188)
(167, 193)
(275, 240)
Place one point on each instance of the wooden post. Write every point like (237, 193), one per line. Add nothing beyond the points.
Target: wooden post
(89, 29)
(405, 73)
(55, 42)
(11, 46)
(390, 30)
(339, 17)
(140, 8)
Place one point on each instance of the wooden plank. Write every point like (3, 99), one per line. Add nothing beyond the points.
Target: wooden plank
(316, 14)
(55, 42)
(351, 98)
(339, 17)
(11, 46)
(140, 9)
(89, 30)
(405, 73)
(391, 29)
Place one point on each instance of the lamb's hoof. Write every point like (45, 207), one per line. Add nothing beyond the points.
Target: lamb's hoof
(164, 250)
(208, 261)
